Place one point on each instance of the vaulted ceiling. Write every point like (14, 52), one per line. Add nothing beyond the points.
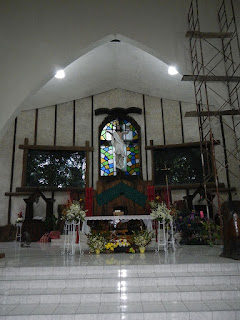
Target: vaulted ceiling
(109, 66)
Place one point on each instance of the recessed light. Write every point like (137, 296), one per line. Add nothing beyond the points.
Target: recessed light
(172, 71)
(60, 74)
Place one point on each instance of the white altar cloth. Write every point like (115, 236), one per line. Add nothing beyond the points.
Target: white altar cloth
(147, 220)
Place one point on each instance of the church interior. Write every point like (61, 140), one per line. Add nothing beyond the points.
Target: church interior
(119, 159)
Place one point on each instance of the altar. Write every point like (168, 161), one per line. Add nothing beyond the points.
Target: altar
(147, 219)
(164, 232)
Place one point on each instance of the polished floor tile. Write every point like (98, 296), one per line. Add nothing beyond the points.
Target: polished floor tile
(196, 306)
(172, 306)
(46, 255)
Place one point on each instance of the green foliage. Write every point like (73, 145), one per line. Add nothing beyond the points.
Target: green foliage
(97, 241)
(142, 238)
(184, 165)
(215, 231)
(195, 230)
(55, 168)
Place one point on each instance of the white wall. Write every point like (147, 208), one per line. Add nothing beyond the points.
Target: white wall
(83, 131)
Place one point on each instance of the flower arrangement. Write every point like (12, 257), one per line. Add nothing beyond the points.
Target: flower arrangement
(121, 243)
(96, 241)
(117, 245)
(142, 238)
(19, 217)
(110, 246)
(74, 211)
(154, 203)
(162, 212)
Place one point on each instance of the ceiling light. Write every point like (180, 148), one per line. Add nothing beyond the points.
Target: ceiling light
(172, 71)
(60, 74)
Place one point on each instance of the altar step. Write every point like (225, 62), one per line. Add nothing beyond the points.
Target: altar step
(189, 291)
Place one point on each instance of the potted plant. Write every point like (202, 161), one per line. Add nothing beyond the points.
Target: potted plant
(96, 242)
(142, 238)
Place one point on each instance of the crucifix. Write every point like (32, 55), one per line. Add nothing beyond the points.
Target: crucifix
(166, 178)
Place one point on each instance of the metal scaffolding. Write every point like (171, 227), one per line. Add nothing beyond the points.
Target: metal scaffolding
(215, 58)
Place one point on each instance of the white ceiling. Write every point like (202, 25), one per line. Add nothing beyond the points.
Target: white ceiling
(109, 66)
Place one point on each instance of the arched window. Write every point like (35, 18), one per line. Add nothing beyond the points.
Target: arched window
(119, 148)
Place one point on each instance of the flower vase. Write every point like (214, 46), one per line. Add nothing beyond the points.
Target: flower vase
(142, 249)
(97, 251)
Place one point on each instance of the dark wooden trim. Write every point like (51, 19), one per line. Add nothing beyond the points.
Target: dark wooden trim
(116, 111)
(74, 122)
(181, 116)
(36, 126)
(190, 186)
(208, 35)
(87, 164)
(225, 159)
(145, 133)
(55, 126)
(25, 156)
(32, 189)
(164, 136)
(200, 78)
(17, 194)
(153, 166)
(212, 113)
(12, 171)
(59, 148)
(180, 145)
(92, 132)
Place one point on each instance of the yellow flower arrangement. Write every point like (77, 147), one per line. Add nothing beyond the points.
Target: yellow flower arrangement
(110, 246)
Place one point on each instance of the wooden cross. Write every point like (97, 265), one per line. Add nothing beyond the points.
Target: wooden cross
(166, 177)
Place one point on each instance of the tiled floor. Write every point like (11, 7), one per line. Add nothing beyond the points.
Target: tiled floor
(192, 283)
(40, 254)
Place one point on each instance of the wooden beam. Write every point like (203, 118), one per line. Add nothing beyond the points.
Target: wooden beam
(180, 145)
(24, 166)
(208, 35)
(87, 164)
(187, 186)
(32, 189)
(17, 194)
(58, 148)
(212, 113)
(210, 78)
(222, 189)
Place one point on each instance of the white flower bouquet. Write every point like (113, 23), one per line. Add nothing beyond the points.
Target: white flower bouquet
(74, 212)
(162, 213)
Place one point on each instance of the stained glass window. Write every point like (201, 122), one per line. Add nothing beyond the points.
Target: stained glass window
(130, 139)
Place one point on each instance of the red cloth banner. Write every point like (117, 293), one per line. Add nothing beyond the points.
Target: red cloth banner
(151, 193)
(89, 201)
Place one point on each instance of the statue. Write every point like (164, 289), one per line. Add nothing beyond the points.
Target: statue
(119, 148)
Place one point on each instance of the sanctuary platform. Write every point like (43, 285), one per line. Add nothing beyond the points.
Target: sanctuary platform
(193, 282)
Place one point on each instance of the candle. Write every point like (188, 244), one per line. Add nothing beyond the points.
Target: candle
(201, 215)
